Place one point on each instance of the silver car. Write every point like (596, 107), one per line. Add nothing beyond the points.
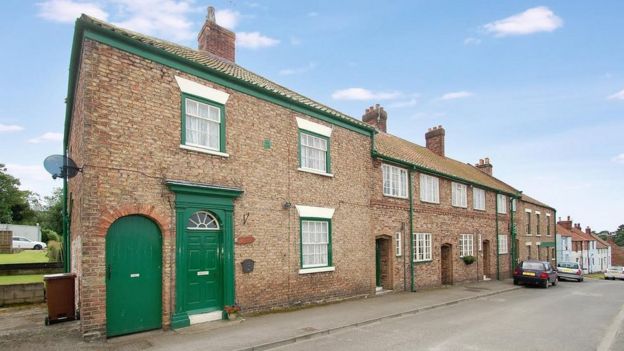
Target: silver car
(570, 271)
(614, 272)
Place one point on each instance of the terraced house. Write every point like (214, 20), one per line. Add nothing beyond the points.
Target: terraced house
(205, 185)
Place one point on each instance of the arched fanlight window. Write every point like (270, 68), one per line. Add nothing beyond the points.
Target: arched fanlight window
(202, 220)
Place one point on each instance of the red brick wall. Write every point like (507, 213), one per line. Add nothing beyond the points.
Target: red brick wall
(127, 135)
(533, 238)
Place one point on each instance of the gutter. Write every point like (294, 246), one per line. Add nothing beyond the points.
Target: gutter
(429, 171)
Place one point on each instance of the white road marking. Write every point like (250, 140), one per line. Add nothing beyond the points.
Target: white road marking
(609, 337)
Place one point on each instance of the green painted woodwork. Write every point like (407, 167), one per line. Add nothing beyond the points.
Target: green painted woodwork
(329, 240)
(497, 244)
(548, 244)
(377, 263)
(133, 276)
(218, 245)
(327, 153)
(411, 226)
(203, 268)
(222, 123)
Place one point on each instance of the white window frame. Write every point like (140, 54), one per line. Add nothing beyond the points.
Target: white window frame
(429, 189)
(207, 119)
(326, 243)
(459, 195)
(503, 244)
(396, 180)
(478, 199)
(422, 243)
(305, 161)
(398, 244)
(502, 205)
(466, 245)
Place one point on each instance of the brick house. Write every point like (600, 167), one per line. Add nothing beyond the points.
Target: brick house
(205, 185)
(536, 230)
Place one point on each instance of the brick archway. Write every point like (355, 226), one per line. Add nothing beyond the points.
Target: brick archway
(108, 217)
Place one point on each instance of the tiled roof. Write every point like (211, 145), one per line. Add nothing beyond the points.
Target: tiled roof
(223, 66)
(531, 200)
(580, 235)
(601, 243)
(563, 231)
(403, 150)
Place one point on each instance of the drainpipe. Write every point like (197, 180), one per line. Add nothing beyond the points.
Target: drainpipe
(66, 247)
(411, 228)
(497, 246)
(512, 235)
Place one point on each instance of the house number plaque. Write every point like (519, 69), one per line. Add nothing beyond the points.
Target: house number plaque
(248, 265)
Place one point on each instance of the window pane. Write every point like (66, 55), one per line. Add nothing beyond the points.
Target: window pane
(314, 242)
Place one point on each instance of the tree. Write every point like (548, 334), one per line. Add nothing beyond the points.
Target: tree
(619, 235)
(51, 217)
(14, 203)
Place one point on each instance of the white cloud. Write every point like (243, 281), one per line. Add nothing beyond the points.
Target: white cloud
(33, 177)
(227, 18)
(533, 20)
(472, 41)
(298, 70)
(619, 158)
(9, 128)
(47, 137)
(66, 11)
(456, 95)
(617, 96)
(364, 94)
(406, 103)
(165, 18)
(254, 40)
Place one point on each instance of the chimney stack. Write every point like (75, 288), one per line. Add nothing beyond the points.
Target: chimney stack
(435, 140)
(566, 224)
(215, 39)
(376, 116)
(485, 166)
(588, 230)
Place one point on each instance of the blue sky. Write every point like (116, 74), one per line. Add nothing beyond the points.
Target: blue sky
(537, 86)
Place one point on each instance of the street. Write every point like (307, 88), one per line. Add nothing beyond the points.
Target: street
(569, 316)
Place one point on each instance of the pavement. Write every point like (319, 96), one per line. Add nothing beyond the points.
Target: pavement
(20, 329)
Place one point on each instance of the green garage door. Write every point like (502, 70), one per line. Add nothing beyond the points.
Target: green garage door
(133, 276)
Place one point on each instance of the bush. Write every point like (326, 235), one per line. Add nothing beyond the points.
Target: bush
(48, 235)
(55, 251)
(469, 259)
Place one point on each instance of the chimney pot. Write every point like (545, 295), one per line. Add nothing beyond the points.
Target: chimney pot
(435, 140)
(485, 166)
(487, 160)
(568, 218)
(376, 116)
(215, 39)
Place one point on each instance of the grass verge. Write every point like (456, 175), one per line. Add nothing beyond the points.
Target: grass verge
(20, 279)
(26, 256)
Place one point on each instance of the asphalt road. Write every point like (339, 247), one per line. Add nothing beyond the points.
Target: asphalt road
(569, 316)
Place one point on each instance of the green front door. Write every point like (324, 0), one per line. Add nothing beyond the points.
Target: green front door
(133, 276)
(204, 270)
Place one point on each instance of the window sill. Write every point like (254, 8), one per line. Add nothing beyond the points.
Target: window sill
(462, 207)
(316, 270)
(205, 151)
(479, 209)
(423, 261)
(313, 171)
(397, 197)
(430, 202)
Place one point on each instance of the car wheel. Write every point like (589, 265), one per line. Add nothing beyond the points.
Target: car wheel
(545, 285)
(580, 280)
(37, 247)
(515, 281)
(554, 283)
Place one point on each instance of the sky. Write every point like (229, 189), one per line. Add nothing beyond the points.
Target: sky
(536, 86)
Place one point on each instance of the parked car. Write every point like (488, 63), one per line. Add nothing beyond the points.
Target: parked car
(569, 270)
(615, 272)
(535, 273)
(25, 243)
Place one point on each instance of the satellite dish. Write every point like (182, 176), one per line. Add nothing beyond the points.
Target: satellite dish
(61, 166)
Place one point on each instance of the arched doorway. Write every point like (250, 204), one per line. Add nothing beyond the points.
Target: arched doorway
(133, 276)
(446, 264)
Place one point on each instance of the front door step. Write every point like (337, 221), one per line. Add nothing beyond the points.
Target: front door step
(378, 288)
(380, 291)
(205, 317)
